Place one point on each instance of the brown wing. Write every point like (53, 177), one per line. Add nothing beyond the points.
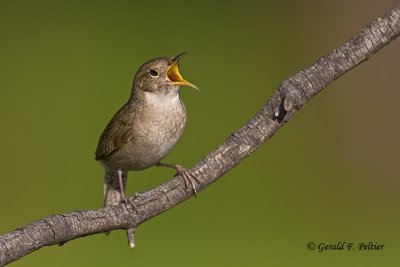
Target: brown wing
(117, 133)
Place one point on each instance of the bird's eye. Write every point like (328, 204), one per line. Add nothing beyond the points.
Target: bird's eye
(153, 73)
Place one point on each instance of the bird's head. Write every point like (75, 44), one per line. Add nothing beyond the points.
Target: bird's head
(161, 76)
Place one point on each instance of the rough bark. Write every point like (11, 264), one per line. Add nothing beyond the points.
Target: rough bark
(290, 96)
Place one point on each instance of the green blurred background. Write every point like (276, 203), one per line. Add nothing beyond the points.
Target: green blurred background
(330, 175)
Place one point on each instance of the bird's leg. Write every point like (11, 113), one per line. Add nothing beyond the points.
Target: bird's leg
(131, 231)
(122, 191)
(188, 178)
(121, 186)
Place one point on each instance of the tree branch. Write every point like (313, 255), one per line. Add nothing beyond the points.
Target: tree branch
(284, 103)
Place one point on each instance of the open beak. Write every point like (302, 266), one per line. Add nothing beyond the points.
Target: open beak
(174, 75)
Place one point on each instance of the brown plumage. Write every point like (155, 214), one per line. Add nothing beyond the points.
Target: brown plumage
(146, 128)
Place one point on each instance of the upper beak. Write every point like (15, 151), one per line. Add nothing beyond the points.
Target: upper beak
(174, 75)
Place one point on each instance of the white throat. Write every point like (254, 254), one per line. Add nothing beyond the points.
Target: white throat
(162, 100)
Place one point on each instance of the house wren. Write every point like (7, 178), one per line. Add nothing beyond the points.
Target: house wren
(146, 128)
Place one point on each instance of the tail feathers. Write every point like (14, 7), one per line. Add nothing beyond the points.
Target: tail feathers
(112, 191)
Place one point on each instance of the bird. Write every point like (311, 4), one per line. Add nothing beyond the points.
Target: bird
(146, 128)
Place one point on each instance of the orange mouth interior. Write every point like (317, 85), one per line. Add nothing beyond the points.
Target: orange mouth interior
(173, 73)
(176, 78)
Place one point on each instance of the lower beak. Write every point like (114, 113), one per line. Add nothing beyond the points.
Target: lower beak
(176, 78)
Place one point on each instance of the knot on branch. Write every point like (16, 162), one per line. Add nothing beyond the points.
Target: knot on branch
(287, 100)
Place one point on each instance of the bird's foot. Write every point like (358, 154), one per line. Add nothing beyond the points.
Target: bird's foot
(189, 179)
(123, 199)
(137, 195)
(132, 202)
